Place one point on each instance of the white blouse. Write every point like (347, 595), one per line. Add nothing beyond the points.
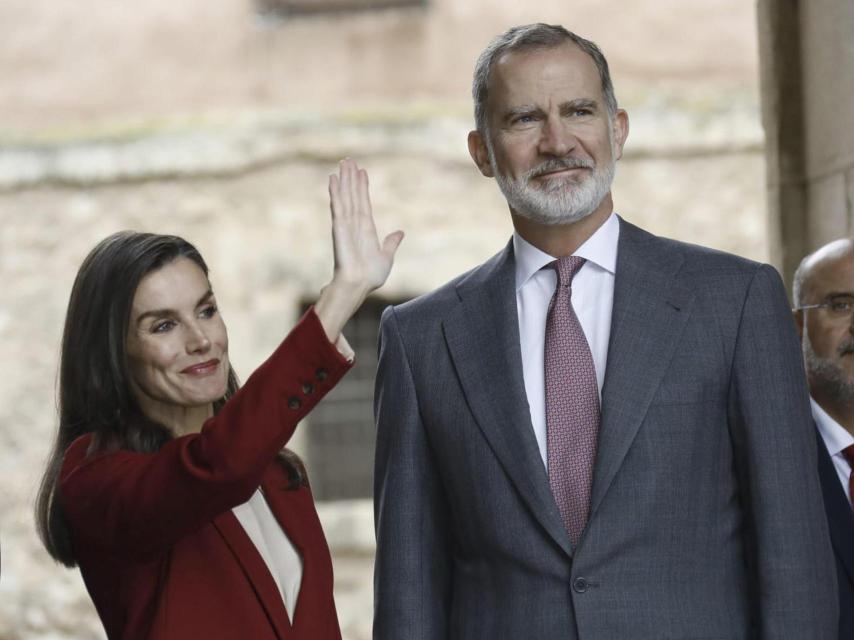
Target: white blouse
(279, 554)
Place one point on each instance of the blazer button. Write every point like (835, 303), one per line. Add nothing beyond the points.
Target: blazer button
(321, 374)
(580, 585)
(294, 403)
(307, 388)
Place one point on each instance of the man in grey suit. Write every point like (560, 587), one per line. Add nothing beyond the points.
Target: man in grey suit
(597, 434)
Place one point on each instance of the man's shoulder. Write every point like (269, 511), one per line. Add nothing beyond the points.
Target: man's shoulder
(722, 281)
(698, 261)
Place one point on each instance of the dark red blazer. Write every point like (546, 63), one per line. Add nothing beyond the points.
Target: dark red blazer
(161, 553)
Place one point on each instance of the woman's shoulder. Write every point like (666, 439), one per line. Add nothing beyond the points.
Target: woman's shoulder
(82, 451)
(73, 459)
(77, 451)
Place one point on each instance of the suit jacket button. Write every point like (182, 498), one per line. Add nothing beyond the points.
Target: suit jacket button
(307, 388)
(321, 374)
(580, 585)
(294, 403)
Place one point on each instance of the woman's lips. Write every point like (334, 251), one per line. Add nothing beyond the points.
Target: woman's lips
(201, 369)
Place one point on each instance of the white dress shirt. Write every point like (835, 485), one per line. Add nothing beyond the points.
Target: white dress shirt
(592, 300)
(279, 554)
(836, 438)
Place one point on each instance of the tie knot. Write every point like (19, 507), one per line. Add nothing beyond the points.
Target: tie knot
(848, 452)
(566, 269)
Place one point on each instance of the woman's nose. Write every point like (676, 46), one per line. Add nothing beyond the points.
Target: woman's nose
(197, 340)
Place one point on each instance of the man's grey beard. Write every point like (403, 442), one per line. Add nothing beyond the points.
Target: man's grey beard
(827, 375)
(558, 201)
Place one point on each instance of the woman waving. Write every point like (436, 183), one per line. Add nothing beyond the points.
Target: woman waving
(168, 486)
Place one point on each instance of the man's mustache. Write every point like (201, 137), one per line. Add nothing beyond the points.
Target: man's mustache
(550, 166)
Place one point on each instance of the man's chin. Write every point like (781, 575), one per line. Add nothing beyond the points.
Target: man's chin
(553, 218)
(568, 202)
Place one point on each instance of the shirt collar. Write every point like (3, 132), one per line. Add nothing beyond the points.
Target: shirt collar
(599, 249)
(835, 437)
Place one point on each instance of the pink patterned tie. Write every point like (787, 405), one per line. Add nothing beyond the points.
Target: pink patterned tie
(572, 403)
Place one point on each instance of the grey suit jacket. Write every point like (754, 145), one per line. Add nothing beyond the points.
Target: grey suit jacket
(706, 514)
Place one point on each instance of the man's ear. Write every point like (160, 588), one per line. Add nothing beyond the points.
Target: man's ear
(479, 153)
(620, 132)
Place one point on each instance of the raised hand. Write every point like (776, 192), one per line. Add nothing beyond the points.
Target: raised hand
(362, 263)
(360, 259)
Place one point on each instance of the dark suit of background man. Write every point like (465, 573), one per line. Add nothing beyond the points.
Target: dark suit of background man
(824, 313)
(638, 464)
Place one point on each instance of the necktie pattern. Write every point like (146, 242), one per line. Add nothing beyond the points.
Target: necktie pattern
(848, 452)
(572, 403)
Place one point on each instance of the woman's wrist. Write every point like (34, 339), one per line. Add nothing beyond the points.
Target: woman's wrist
(338, 301)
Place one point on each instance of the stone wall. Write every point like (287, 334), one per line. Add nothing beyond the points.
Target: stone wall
(70, 68)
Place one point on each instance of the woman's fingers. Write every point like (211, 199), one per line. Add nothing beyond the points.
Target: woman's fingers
(349, 190)
(334, 196)
(364, 202)
(363, 191)
(391, 243)
(351, 171)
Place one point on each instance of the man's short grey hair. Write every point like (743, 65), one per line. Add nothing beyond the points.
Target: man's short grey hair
(533, 36)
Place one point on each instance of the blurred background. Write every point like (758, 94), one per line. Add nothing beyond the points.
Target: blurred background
(220, 122)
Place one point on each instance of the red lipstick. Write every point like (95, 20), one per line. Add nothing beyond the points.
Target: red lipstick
(201, 369)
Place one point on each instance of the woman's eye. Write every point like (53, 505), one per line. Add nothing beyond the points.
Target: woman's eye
(162, 327)
(209, 311)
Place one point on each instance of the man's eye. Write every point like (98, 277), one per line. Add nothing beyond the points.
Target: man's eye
(526, 119)
(841, 306)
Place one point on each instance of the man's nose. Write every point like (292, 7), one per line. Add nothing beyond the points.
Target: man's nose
(556, 139)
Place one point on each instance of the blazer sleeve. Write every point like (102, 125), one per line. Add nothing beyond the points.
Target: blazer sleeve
(776, 454)
(139, 503)
(412, 573)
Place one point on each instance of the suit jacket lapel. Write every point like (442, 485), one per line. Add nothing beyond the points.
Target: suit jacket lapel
(651, 308)
(256, 571)
(482, 335)
(840, 517)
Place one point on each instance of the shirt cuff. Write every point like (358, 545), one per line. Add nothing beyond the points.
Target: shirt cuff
(344, 348)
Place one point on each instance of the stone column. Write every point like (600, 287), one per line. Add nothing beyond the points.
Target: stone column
(806, 58)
